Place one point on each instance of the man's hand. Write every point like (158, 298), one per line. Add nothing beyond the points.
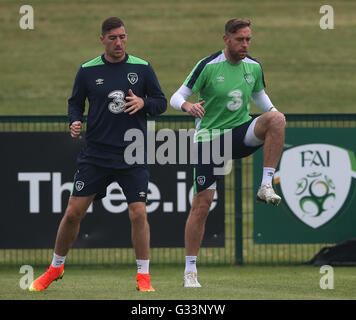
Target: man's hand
(75, 129)
(195, 109)
(135, 103)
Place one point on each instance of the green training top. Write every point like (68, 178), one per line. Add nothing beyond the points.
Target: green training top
(227, 90)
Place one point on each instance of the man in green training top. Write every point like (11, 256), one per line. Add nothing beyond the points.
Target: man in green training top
(226, 81)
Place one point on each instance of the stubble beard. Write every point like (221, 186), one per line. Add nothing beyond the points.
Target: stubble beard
(117, 56)
(236, 56)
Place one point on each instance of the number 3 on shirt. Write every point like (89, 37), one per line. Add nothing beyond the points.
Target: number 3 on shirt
(236, 102)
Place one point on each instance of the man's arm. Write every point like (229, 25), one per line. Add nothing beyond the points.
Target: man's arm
(155, 102)
(76, 103)
(262, 101)
(179, 102)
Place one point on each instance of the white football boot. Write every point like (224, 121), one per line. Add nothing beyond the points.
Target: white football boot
(266, 194)
(190, 280)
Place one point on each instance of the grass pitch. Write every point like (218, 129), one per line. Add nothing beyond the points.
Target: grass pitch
(219, 283)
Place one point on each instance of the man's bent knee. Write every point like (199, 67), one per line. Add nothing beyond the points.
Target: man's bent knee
(278, 119)
(77, 208)
(273, 120)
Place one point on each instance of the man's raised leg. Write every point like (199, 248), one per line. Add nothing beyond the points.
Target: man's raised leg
(270, 128)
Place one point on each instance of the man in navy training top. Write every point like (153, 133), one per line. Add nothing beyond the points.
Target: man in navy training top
(121, 90)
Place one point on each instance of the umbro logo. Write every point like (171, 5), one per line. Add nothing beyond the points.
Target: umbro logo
(220, 79)
(142, 194)
(99, 81)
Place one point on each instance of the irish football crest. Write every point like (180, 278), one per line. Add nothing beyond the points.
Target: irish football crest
(249, 78)
(315, 180)
(201, 180)
(132, 77)
(79, 185)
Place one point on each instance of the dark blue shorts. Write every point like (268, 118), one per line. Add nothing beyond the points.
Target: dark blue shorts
(204, 175)
(90, 179)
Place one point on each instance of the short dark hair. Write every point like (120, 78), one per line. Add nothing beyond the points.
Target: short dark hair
(235, 24)
(111, 23)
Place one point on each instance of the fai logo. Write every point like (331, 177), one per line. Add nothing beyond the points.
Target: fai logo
(118, 97)
(79, 185)
(249, 78)
(132, 77)
(315, 181)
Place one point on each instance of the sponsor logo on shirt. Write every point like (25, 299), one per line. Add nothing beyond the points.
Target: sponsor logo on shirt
(118, 97)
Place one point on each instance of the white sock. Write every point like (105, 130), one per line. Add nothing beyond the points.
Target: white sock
(57, 260)
(267, 175)
(190, 264)
(143, 266)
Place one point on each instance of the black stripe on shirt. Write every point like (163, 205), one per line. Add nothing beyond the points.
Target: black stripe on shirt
(200, 68)
(263, 77)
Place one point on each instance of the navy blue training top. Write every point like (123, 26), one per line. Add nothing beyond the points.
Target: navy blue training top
(106, 85)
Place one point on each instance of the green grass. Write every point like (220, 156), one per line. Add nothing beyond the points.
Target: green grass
(219, 283)
(307, 69)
